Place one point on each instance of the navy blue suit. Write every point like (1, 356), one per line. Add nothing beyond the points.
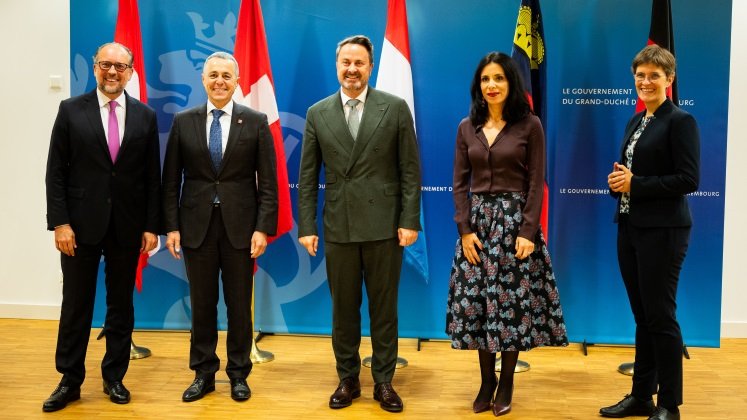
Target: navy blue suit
(652, 241)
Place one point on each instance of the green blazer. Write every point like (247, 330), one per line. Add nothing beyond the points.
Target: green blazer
(372, 183)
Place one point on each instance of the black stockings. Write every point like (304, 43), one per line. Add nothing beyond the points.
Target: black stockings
(487, 376)
(506, 381)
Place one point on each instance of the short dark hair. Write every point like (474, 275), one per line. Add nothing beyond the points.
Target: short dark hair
(516, 106)
(361, 40)
(656, 55)
(95, 56)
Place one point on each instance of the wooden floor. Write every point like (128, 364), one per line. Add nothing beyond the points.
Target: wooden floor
(439, 383)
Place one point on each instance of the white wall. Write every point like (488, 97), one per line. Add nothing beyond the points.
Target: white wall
(36, 44)
(733, 307)
(30, 276)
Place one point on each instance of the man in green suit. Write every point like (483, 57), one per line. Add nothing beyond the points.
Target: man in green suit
(365, 139)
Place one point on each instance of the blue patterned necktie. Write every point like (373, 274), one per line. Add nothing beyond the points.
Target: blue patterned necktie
(216, 139)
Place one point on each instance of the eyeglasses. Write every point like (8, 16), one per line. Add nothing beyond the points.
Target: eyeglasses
(653, 77)
(106, 65)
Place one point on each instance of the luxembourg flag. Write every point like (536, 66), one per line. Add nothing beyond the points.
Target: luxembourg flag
(395, 77)
(127, 33)
(255, 79)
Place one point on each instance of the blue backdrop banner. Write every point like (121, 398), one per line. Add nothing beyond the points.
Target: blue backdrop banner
(590, 97)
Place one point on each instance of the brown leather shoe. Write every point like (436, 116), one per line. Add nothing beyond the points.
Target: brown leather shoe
(499, 408)
(387, 397)
(348, 390)
(480, 406)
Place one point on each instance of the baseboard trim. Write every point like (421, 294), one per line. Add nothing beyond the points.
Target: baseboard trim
(13, 310)
(734, 329)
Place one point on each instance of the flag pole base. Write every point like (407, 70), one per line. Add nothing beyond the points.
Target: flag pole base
(260, 356)
(137, 352)
(626, 368)
(401, 362)
(521, 366)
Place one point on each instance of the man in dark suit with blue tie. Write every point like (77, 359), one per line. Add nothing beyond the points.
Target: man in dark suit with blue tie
(365, 139)
(220, 215)
(103, 188)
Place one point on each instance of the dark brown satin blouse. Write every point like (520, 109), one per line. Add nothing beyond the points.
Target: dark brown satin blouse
(515, 162)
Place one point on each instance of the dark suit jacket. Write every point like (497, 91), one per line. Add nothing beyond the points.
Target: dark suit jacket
(86, 189)
(246, 182)
(666, 163)
(372, 183)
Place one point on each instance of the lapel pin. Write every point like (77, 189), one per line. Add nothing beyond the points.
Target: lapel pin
(239, 121)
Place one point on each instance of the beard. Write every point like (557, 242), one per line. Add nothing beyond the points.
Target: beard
(354, 85)
(112, 90)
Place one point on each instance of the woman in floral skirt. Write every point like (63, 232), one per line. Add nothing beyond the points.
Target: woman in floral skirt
(502, 291)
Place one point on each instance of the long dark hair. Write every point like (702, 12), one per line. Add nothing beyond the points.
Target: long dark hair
(516, 106)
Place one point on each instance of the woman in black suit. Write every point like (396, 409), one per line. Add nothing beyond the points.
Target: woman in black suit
(659, 167)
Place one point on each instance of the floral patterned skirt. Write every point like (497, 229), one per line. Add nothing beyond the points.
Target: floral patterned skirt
(503, 303)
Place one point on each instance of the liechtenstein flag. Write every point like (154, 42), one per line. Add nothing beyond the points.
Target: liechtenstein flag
(529, 53)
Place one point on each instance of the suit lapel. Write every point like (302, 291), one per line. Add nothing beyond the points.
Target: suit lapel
(131, 114)
(199, 121)
(373, 112)
(93, 113)
(334, 117)
(629, 133)
(237, 123)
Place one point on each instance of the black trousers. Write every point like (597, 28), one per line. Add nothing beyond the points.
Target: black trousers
(650, 262)
(377, 264)
(78, 295)
(217, 258)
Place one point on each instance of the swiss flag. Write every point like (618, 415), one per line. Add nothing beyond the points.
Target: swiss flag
(256, 91)
(127, 33)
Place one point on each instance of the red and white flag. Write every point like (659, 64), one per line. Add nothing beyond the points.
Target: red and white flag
(256, 90)
(127, 33)
(395, 77)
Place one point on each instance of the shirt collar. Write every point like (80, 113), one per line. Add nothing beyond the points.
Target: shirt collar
(104, 100)
(361, 97)
(228, 108)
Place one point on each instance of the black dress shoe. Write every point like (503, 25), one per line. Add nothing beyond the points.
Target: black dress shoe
(198, 389)
(348, 390)
(629, 406)
(62, 395)
(387, 397)
(117, 392)
(240, 390)
(662, 413)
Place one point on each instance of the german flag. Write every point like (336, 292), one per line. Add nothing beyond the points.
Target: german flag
(661, 33)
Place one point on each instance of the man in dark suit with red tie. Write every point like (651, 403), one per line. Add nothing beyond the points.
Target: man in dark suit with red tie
(103, 187)
(221, 215)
